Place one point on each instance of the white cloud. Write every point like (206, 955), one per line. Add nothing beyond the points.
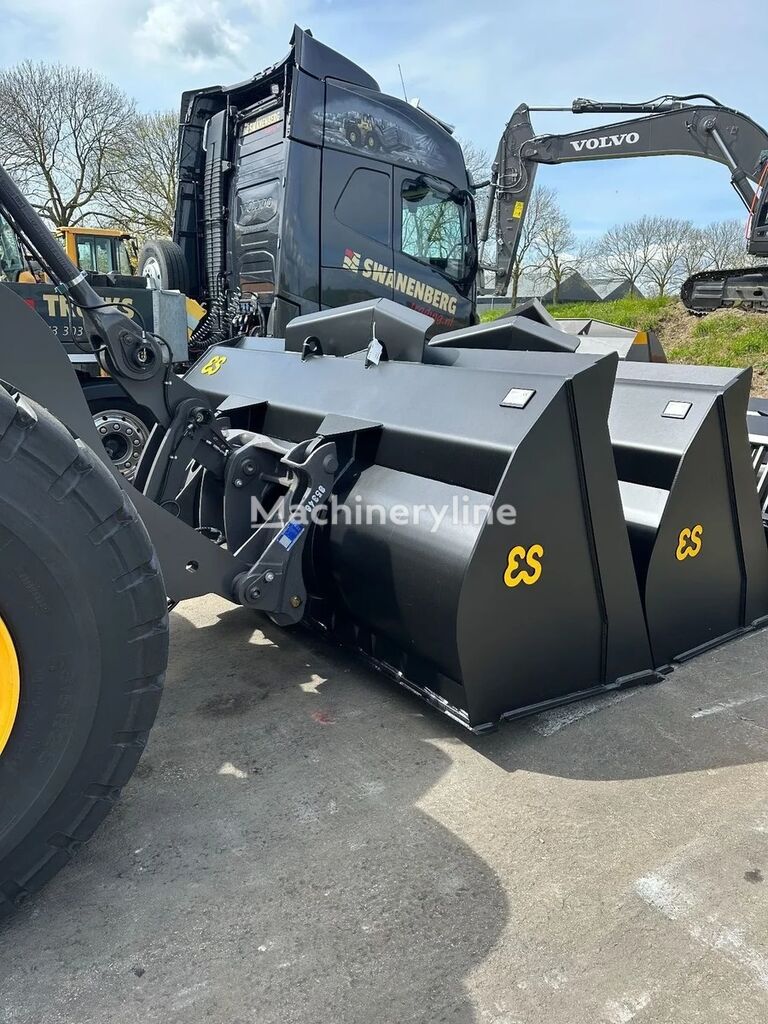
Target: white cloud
(469, 66)
(191, 33)
(155, 49)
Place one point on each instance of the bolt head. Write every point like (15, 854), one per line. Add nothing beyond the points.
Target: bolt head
(295, 601)
(269, 576)
(238, 482)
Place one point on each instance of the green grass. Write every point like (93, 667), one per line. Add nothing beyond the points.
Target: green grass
(642, 314)
(726, 339)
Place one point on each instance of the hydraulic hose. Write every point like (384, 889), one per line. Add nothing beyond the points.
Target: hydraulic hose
(25, 219)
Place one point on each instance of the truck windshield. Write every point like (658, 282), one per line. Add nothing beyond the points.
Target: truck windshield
(10, 256)
(434, 228)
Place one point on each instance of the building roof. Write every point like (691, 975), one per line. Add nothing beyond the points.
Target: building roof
(615, 288)
(573, 289)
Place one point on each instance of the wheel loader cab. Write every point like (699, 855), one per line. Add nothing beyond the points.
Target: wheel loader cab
(98, 250)
(306, 188)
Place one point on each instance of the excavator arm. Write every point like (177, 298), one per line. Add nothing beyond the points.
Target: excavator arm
(672, 126)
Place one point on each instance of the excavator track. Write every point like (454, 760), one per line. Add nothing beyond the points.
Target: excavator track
(744, 287)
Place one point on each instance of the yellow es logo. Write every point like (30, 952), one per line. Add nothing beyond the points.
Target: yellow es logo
(689, 542)
(213, 365)
(532, 556)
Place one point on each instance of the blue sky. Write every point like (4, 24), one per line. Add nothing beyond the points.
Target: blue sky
(469, 63)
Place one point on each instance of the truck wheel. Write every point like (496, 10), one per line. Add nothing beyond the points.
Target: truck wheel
(83, 645)
(162, 262)
(124, 428)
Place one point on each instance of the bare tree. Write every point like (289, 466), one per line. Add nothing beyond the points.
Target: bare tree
(624, 251)
(724, 245)
(556, 250)
(63, 131)
(694, 256)
(476, 159)
(542, 208)
(670, 240)
(142, 196)
(478, 164)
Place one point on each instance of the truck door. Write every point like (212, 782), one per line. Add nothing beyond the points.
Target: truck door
(434, 248)
(355, 229)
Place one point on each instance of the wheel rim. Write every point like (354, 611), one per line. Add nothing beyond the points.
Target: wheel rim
(151, 270)
(10, 685)
(123, 435)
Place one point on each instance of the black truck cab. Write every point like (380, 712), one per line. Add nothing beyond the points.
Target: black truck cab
(305, 188)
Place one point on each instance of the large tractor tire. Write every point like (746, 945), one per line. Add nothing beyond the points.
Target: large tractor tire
(83, 645)
(163, 263)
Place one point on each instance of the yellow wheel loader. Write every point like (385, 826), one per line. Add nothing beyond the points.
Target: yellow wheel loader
(489, 518)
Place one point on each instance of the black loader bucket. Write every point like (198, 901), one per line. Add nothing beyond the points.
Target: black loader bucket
(480, 555)
(688, 489)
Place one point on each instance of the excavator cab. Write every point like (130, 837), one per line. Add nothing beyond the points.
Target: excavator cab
(757, 231)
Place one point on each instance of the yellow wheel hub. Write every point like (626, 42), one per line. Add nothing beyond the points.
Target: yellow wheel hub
(10, 685)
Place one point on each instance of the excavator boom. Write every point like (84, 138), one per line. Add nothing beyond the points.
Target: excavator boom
(672, 127)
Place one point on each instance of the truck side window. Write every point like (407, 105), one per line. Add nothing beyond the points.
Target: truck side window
(364, 204)
(432, 228)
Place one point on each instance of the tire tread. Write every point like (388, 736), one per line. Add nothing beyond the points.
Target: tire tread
(73, 474)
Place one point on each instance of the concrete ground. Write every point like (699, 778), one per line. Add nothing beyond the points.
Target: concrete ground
(305, 843)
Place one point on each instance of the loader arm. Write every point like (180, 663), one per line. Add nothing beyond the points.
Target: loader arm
(35, 362)
(671, 127)
(261, 568)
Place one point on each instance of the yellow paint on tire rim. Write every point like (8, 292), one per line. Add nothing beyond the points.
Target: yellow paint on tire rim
(10, 685)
